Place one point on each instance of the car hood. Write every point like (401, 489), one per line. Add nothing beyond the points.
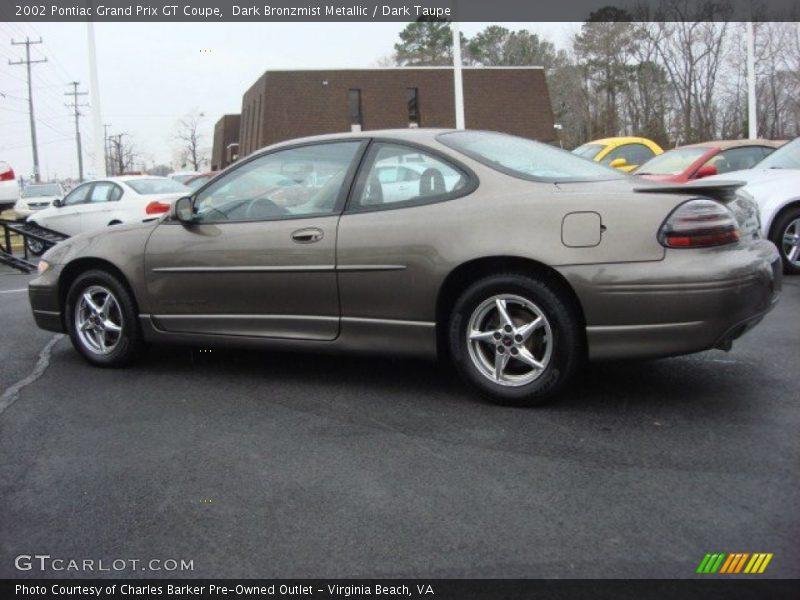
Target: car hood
(99, 241)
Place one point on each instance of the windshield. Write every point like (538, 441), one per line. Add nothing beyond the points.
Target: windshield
(785, 157)
(526, 159)
(160, 185)
(35, 191)
(588, 151)
(672, 162)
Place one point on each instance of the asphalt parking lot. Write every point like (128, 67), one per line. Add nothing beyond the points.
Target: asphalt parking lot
(258, 464)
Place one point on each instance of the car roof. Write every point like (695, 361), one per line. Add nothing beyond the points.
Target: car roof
(416, 134)
(621, 140)
(726, 144)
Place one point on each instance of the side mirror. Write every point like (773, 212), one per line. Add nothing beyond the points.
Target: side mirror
(706, 171)
(58, 203)
(618, 163)
(184, 211)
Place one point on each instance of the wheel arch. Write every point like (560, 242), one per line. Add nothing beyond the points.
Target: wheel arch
(789, 205)
(468, 272)
(78, 266)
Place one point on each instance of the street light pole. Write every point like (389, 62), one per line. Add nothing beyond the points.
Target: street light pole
(458, 80)
(97, 115)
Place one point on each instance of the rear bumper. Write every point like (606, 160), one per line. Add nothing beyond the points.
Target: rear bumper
(688, 302)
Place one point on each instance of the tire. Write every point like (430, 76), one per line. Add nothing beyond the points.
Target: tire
(99, 343)
(553, 339)
(786, 228)
(35, 247)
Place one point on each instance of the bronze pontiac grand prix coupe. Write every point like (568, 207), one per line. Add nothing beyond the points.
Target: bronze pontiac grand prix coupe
(514, 259)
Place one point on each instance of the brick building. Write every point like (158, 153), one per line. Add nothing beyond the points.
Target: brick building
(226, 142)
(283, 105)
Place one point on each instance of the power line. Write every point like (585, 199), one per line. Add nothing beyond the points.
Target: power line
(76, 107)
(28, 62)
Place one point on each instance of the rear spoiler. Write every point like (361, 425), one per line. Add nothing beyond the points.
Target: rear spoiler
(721, 191)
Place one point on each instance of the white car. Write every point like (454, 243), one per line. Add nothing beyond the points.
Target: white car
(110, 201)
(9, 188)
(37, 196)
(774, 184)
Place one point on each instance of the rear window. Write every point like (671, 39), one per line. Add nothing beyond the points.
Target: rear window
(526, 159)
(156, 186)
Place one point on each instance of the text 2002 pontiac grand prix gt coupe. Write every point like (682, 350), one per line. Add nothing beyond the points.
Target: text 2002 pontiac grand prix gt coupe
(515, 259)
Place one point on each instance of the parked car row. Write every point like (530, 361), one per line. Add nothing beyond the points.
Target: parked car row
(516, 260)
(769, 171)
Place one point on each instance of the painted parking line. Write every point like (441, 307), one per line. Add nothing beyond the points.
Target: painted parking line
(13, 291)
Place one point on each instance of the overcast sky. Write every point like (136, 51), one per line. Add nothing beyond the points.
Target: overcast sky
(152, 74)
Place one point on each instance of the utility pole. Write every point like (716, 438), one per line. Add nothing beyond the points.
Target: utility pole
(458, 81)
(107, 149)
(119, 159)
(75, 106)
(97, 116)
(28, 62)
(752, 109)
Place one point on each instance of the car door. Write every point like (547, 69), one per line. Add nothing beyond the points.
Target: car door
(67, 217)
(95, 213)
(385, 245)
(259, 260)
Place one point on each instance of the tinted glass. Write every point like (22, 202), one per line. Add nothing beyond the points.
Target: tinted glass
(588, 150)
(785, 157)
(197, 182)
(672, 162)
(525, 158)
(737, 159)
(288, 183)
(400, 174)
(78, 195)
(156, 185)
(634, 154)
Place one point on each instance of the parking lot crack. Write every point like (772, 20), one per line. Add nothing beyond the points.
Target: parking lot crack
(11, 393)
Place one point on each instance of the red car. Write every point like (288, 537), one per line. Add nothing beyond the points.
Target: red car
(705, 159)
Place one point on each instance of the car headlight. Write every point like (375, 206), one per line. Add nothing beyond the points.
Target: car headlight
(43, 266)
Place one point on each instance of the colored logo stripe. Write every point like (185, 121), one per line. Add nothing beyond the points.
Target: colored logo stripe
(734, 563)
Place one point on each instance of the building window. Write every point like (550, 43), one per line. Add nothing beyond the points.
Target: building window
(413, 107)
(354, 109)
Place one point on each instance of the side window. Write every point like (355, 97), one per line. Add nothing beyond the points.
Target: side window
(634, 154)
(285, 184)
(101, 192)
(397, 175)
(736, 159)
(78, 195)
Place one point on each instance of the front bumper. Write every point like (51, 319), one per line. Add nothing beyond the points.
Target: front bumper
(693, 300)
(45, 300)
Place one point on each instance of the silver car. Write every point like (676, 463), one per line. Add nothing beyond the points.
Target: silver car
(515, 260)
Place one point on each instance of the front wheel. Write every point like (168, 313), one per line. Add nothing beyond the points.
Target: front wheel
(101, 320)
(515, 339)
(786, 236)
(35, 247)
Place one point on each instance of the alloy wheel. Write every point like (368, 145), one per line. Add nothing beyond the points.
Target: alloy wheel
(98, 320)
(791, 242)
(510, 340)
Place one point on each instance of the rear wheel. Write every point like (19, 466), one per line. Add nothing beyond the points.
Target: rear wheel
(101, 320)
(786, 236)
(515, 339)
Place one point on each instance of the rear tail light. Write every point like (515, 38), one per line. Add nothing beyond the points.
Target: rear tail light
(699, 224)
(8, 175)
(156, 207)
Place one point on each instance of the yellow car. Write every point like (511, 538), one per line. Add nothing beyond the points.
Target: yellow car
(623, 153)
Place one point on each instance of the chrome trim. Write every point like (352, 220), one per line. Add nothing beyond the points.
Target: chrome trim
(367, 321)
(279, 269)
(254, 269)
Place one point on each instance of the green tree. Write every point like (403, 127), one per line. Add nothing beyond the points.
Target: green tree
(425, 43)
(498, 46)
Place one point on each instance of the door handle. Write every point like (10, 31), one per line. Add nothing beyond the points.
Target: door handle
(308, 235)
